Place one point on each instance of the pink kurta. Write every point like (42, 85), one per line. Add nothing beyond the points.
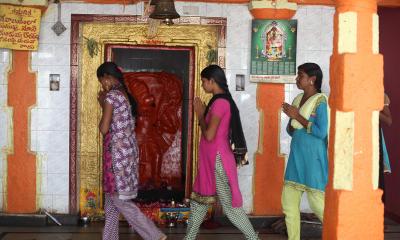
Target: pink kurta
(204, 184)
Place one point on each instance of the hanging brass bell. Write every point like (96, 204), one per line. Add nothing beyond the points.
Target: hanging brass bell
(165, 10)
(154, 2)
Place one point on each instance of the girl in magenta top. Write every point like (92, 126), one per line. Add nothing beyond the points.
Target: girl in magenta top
(217, 173)
(204, 184)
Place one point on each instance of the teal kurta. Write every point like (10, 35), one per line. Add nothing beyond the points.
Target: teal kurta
(307, 167)
(385, 155)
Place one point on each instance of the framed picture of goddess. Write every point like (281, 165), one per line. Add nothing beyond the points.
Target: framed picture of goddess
(273, 51)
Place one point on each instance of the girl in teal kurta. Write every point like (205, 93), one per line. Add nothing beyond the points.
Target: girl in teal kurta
(385, 118)
(307, 167)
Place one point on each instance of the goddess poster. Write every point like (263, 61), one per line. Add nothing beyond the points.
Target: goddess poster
(273, 51)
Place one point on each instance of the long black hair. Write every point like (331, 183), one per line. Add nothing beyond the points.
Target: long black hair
(112, 69)
(236, 135)
(312, 69)
(217, 73)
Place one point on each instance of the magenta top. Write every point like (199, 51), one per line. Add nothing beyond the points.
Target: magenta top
(204, 183)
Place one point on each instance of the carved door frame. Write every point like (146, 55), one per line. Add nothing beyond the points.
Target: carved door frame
(201, 34)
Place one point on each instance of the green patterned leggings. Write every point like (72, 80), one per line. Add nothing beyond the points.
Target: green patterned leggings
(236, 215)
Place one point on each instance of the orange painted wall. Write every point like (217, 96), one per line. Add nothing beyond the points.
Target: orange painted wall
(21, 164)
(269, 165)
(264, 13)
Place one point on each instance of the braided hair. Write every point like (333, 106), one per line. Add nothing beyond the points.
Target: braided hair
(112, 69)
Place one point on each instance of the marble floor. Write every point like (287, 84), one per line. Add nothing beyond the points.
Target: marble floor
(93, 232)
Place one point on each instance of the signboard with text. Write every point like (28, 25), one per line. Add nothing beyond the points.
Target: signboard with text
(273, 51)
(19, 27)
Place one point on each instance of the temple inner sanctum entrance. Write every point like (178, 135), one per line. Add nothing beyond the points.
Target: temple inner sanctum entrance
(161, 81)
(163, 75)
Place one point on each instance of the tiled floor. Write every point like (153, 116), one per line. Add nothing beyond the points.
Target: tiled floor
(93, 232)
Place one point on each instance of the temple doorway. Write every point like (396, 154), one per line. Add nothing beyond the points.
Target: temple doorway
(170, 61)
(161, 81)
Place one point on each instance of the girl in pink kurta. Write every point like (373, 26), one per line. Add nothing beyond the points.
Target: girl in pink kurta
(217, 172)
(204, 184)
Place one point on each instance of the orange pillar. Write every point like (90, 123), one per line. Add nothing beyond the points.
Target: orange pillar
(353, 208)
(269, 165)
(21, 164)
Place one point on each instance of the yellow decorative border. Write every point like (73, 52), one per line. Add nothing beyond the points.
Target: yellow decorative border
(203, 199)
(200, 37)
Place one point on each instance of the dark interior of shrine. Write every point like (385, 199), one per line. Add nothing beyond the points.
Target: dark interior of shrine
(159, 81)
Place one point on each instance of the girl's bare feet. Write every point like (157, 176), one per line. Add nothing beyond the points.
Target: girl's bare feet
(163, 237)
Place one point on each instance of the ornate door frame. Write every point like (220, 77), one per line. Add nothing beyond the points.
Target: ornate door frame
(207, 36)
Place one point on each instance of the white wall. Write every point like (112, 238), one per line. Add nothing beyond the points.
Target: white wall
(50, 118)
(5, 117)
(314, 44)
